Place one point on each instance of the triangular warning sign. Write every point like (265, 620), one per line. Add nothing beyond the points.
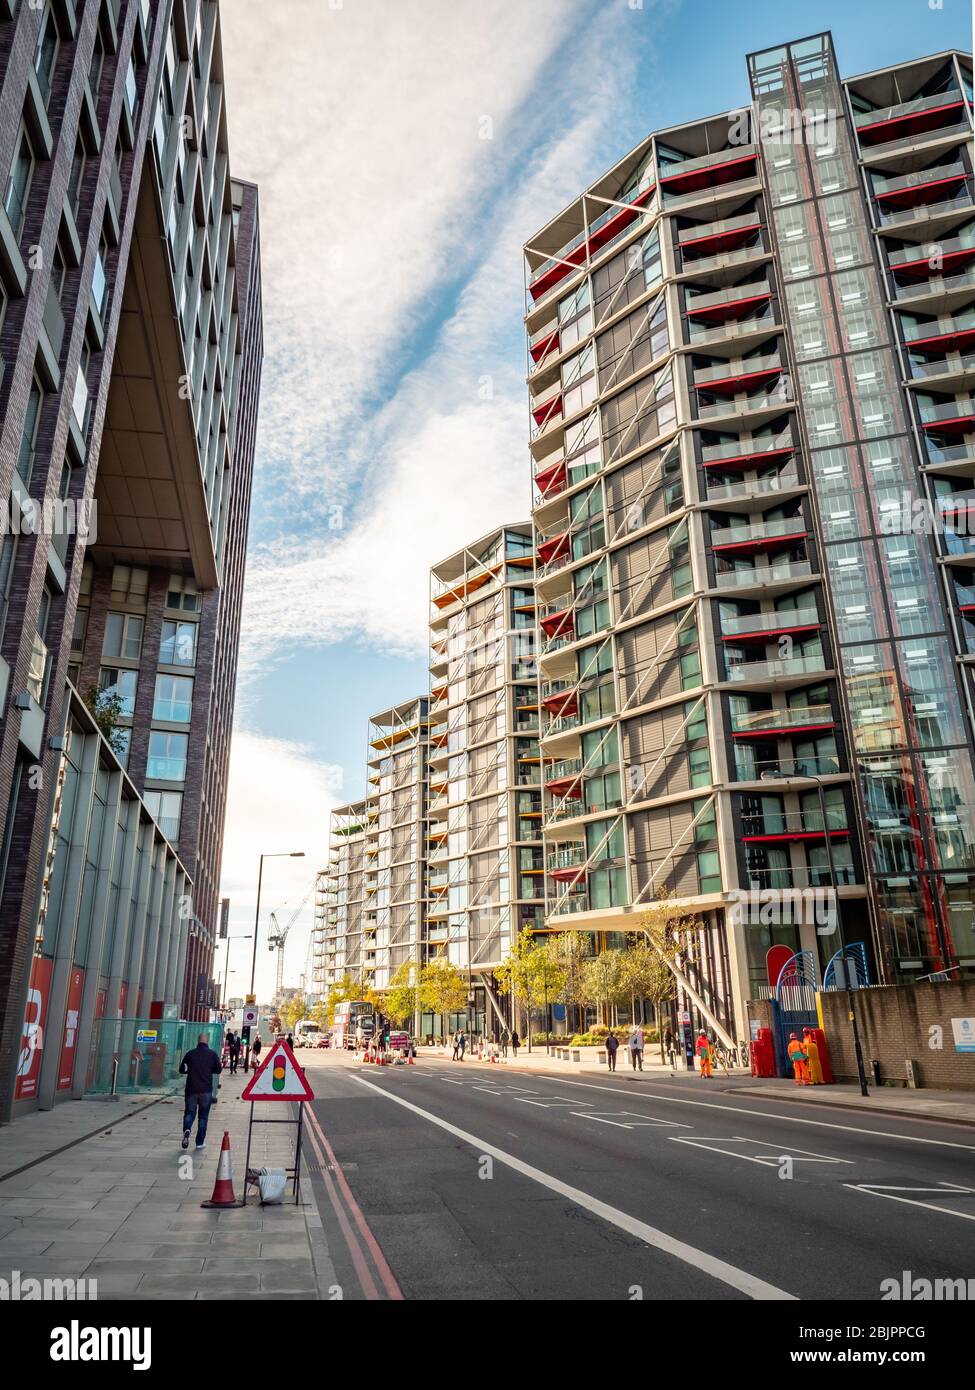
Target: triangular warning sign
(278, 1078)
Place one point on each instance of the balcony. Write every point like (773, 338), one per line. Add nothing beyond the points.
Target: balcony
(563, 778)
(763, 535)
(736, 407)
(574, 254)
(770, 624)
(952, 253)
(748, 770)
(908, 118)
(944, 368)
(552, 479)
(695, 176)
(546, 411)
(943, 292)
(747, 452)
(783, 723)
(764, 577)
(558, 620)
(732, 303)
(778, 670)
(568, 903)
(560, 697)
(794, 825)
(892, 218)
(554, 551)
(950, 333)
(561, 724)
(734, 376)
(758, 487)
(925, 186)
(563, 864)
(544, 342)
(951, 417)
(708, 238)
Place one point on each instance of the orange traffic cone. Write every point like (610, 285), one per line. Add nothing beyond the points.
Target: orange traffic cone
(223, 1188)
(410, 1060)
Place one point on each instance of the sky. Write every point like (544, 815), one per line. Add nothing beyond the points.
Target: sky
(405, 151)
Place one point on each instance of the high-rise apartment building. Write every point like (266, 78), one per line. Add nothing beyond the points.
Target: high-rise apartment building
(130, 330)
(753, 444)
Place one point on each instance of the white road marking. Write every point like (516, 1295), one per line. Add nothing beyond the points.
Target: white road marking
(766, 1160)
(771, 1115)
(944, 1190)
(728, 1274)
(550, 1102)
(631, 1119)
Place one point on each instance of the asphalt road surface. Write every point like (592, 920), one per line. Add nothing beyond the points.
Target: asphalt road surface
(465, 1181)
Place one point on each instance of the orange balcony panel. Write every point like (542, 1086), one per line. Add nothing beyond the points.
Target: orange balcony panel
(908, 123)
(450, 596)
(711, 176)
(552, 480)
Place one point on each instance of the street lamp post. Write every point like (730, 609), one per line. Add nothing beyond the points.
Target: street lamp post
(226, 968)
(283, 854)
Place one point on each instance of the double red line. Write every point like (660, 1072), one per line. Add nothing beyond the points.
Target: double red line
(372, 1269)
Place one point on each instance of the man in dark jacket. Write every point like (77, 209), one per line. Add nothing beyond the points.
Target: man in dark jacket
(199, 1066)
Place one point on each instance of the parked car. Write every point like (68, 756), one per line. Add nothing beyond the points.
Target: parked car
(324, 1041)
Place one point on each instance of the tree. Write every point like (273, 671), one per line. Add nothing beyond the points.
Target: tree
(402, 999)
(569, 950)
(668, 932)
(443, 990)
(292, 1010)
(603, 981)
(520, 974)
(346, 988)
(647, 976)
(107, 709)
(319, 1012)
(550, 978)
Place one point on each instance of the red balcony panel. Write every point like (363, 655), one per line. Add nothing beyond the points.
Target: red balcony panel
(960, 424)
(732, 309)
(578, 255)
(950, 261)
(621, 218)
(943, 342)
(793, 731)
(561, 624)
(714, 242)
(729, 385)
(750, 460)
(759, 543)
(793, 835)
(770, 633)
(568, 874)
(562, 702)
(554, 548)
(908, 123)
(548, 409)
(543, 346)
(551, 481)
(711, 176)
(566, 787)
(918, 193)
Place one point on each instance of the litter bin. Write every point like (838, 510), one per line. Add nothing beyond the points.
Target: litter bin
(875, 1068)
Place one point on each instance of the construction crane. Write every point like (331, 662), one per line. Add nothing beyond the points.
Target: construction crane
(278, 935)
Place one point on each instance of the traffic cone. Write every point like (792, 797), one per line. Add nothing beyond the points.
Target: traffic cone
(223, 1188)
(410, 1060)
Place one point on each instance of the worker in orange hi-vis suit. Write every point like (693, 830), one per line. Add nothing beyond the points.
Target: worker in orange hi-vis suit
(797, 1056)
(814, 1065)
(704, 1052)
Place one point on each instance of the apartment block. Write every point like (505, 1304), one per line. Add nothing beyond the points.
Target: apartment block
(131, 341)
(747, 366)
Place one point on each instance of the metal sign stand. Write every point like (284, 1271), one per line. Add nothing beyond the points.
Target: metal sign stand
(295, 1171)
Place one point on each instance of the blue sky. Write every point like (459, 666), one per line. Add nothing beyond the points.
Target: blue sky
(405, 150)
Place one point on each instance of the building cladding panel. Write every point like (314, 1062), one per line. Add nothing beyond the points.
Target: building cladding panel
(747, 359)
(111, 394)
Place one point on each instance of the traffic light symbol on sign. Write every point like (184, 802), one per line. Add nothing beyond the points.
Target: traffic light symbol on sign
(277, 1076)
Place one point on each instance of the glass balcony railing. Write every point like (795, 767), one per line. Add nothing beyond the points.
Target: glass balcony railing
(564, 769)
(763, 574)
(734, 294)
(940, 101)
(747, 447)
(568, 903)
(753, 487)
(779, 621)
(724, 260)
(733, 154)
(562, 724)
(750, 770)
(745, 405)
(774, 721)
(920, 178)
(954, 453)
(920, 256)
(919, 288)
(706, 231)
(761, 322)
(778, 669)
(569, 857)
(949, 410)
(943, 366)
(921, 212)
(797, 825)
(758, 531)
(738, 368)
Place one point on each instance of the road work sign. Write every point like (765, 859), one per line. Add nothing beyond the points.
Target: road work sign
(278, 1078)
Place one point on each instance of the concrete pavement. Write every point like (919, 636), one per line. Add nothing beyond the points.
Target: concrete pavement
(123, 1206)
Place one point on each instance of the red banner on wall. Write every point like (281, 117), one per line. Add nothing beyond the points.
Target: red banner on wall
(69, 1040)
(32, 1034)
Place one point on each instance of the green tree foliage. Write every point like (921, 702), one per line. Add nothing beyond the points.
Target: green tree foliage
(443, 990)
(107, 710)
(402, 999)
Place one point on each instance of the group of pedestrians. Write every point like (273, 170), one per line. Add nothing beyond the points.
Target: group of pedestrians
(498, 1041)
(807, 1066)
(634, 1045)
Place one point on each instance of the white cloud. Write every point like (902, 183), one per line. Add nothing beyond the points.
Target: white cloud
(278, 800)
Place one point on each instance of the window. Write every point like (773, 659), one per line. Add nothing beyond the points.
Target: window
(99, 280)
(75, 177)
(28, 435)
(8, 549)
(174, 699)
(131, 91)
(166, 808)
(167, 756)
(46, 54)
(123, 636)
(121, 742)
(121, 684)
(129, 585)
(18, 184)
(182, 593)
(95, 68)
(177, 644)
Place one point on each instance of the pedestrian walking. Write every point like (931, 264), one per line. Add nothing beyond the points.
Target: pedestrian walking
(636, 1048)
(233, 1047)
(703, 1050)
(612, 1047)
(200, 1065)
(462, 1044)
(670, 1047)
(456, 1052)
(505, 1039)
(291, 1041)
(515, 1043)
(256, 1049)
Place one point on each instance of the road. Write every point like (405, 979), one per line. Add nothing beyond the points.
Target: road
(450, 1180)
